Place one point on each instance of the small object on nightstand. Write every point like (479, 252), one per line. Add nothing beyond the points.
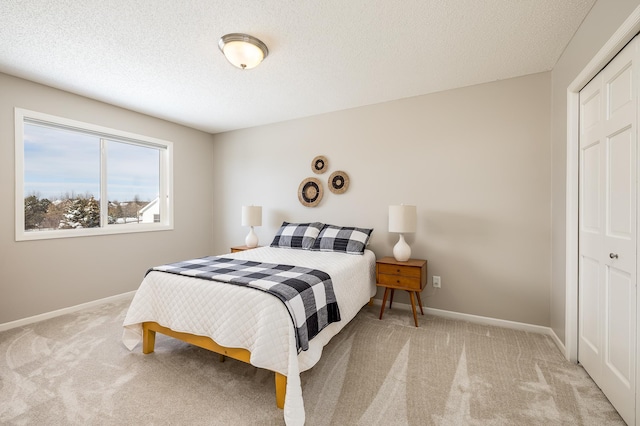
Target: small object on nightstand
(251, 216)
(236, 249)
(410, 275)
(402, 219)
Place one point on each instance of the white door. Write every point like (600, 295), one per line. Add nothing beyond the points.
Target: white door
(608, 232)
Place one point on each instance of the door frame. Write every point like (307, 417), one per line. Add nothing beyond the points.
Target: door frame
(629, 28)
(618, 40)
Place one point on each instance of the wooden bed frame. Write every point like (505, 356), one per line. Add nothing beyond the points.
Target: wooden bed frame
(149, 330)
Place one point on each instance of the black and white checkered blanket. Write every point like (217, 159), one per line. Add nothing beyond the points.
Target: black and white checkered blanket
(307, 293)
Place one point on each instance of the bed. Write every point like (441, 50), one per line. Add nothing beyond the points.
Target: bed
(247, 324)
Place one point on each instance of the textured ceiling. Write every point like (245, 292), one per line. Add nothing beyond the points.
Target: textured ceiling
(160, 57)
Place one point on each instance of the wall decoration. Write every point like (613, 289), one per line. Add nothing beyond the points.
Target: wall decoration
(338, 182)
(310, 192)
(319, 164)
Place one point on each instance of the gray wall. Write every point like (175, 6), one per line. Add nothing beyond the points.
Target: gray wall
(476, 161)
(605, 18)
(42, 276)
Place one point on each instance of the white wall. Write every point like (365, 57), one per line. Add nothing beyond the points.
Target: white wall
(42, 276)
(476, 161)
(603, 20)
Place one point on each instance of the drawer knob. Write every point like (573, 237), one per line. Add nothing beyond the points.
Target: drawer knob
(398, 270)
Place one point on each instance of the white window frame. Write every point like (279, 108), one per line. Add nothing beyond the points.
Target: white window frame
(166, 178)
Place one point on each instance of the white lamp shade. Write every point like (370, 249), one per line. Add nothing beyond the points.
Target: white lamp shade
(402, 218)
(251, 215)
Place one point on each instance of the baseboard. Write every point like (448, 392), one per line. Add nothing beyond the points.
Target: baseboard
(404, 306)
(64, 311)
(477, 319)
(560, 344)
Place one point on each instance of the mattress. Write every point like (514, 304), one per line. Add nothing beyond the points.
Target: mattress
(241, 317)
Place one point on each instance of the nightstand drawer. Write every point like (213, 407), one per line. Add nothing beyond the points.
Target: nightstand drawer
(407, 271)
(400, 281)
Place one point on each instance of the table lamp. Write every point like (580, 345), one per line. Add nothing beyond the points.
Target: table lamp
(251, 216)
(402, 219)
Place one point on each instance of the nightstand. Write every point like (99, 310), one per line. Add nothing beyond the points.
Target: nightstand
(410, 276)
(240, 248)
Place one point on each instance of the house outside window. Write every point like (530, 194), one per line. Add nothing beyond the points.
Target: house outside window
(77, 179)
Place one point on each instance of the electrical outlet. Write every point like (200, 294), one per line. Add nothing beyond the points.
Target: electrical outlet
(436, 281)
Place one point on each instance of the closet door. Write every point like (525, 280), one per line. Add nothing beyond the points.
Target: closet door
(608, 231)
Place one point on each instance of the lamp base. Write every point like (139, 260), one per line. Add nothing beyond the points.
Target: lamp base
(402, 251)
(252, 239)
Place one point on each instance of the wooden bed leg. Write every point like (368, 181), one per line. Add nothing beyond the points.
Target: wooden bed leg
(148, 339)
(370, 301)
(222, 357)
(281, 389)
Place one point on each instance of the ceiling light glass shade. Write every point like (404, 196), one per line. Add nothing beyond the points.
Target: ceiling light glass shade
(242, 50)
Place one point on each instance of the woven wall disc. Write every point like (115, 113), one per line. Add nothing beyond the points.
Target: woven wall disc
(310, 192)
(338, 182)
(319, 164)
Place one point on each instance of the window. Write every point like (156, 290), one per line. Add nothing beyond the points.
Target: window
(76, 179)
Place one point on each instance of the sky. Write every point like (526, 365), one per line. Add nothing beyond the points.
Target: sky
(60, 161)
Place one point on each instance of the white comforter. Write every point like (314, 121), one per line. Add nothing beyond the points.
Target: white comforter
(241, 317)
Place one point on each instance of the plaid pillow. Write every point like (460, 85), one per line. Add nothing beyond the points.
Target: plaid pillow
(297, 235)
(343, 239)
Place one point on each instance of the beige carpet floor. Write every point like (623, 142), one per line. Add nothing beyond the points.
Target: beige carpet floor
(74, 370)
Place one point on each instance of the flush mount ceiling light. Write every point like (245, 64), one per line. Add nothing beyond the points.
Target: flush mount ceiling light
(242, 50)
